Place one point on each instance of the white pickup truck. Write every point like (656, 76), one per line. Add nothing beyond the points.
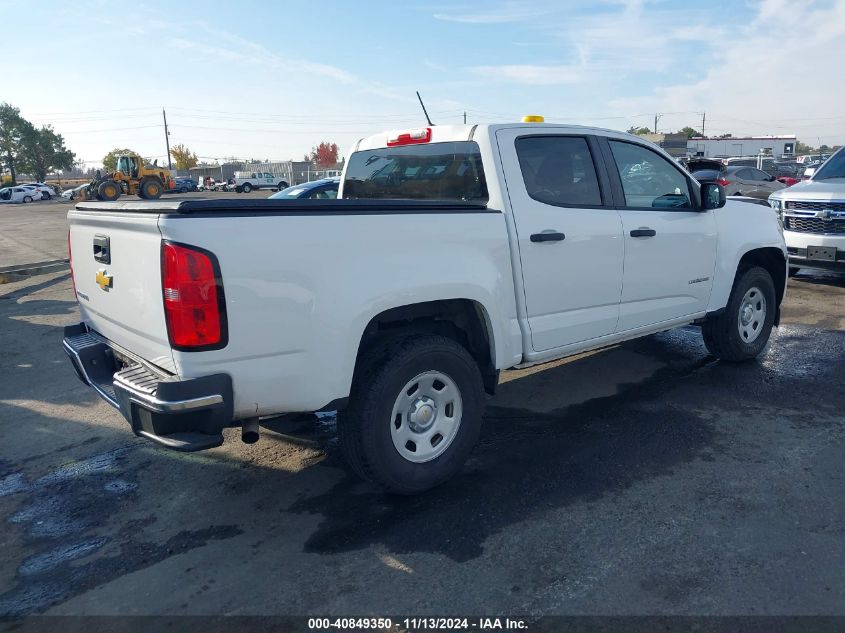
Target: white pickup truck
(455, 252)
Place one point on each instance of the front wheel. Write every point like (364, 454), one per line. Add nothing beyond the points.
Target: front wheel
(46, 196)
(150, 190)
(27, 199)
(414, 414)
(742, 330)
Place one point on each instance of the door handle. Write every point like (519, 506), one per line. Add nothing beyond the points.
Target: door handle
(550, 236)
(643, 232)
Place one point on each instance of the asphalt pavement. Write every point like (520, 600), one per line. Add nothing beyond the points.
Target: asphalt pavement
(648, 478)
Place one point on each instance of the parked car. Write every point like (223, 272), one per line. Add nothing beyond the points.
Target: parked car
(325, 189)
(813, 216)
(741, 181)
(453, 252)
(787, 180)
(18, 194)
(46, 191)
(73, 194)
(183, 185)
(247, 181)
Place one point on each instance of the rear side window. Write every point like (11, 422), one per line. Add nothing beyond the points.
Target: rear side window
(558, 170)
(648, 179)
(435, 171)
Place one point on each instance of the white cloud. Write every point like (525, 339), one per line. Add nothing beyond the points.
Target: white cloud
(510, 12)
(779, 74)
(538, 75)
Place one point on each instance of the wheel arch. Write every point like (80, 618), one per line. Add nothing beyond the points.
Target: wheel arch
(465, 320)
(774, 262)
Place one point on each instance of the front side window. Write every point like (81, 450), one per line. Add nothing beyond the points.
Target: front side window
(558, 170)
(431, 171)
(648, 179)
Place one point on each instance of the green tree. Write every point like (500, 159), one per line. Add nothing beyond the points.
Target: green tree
(13, 128)
(183, 157)
(43, 151)
(689, 131)
(638, 130)
(110, 159)
(802, 148)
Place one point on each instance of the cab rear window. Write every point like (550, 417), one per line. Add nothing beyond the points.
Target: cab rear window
(435, 171)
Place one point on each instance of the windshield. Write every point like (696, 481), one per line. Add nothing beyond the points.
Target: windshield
(833, 167)
(436, 171)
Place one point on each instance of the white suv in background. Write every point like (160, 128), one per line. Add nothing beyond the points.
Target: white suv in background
(46, 191)
(813, 214)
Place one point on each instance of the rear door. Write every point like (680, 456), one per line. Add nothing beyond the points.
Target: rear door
(670, 244)
(570, 237)
(117, 271)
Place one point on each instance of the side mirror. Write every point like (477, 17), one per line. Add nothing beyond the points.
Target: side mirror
(712, 196)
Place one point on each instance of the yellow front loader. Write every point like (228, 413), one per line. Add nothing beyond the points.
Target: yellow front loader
(132, 177)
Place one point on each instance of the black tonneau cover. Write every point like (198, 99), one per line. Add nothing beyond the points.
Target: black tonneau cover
(230, 206)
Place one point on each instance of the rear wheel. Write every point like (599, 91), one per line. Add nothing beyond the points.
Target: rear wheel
(27, 199)
(246, 187)
(108, 190)
(742, 330)
(414, 414)
(150, 189)
(282, 185)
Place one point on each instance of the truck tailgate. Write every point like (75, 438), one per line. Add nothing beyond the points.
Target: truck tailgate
(116, 259)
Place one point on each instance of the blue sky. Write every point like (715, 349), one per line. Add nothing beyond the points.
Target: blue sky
(270, 80)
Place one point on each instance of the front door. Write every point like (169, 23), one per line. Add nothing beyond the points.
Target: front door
(670, 244)
(570, 237)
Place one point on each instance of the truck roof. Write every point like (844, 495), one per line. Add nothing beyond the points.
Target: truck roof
(451, 133)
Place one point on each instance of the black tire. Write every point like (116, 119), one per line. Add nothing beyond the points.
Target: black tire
(27, 199)
(150, 189)
(793, 270)
(183, 190)
(364, 427)
(46, 196)
(246, 187)
(239, 189)
(722, 333)
(282, 185)
(108, 190)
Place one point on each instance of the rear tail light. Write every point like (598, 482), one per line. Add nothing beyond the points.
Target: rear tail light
(724, 182)
(70, 264)
(194, 305)
(412, 137)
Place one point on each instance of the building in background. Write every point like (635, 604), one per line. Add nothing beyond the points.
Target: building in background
(782, 146)
(675, 144)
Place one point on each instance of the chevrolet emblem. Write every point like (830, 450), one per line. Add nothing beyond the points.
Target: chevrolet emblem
(104, 280)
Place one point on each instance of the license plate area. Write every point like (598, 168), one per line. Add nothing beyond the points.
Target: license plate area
(823, 253)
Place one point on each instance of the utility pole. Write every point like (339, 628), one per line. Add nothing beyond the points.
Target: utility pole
(166, 139)
(465, 118)
(657, 117)
(703, 119)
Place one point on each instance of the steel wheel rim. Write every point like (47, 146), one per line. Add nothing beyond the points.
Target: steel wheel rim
(752, 315)
(426, 416)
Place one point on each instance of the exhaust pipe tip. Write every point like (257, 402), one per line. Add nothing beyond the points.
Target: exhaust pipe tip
(249, 431)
